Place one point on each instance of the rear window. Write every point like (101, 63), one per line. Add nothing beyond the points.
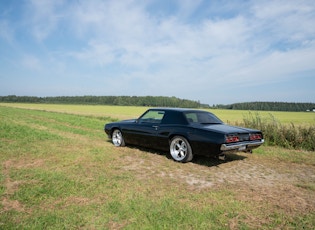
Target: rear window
(202, 118)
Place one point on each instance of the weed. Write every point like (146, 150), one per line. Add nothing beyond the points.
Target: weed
(277, 134)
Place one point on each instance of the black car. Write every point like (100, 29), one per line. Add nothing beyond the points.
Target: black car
(184, 132)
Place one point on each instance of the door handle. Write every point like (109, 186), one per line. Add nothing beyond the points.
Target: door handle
(156, 127)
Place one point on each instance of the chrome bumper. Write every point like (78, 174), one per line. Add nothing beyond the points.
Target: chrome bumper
(244, 146)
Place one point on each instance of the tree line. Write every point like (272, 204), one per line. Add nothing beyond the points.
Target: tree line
(153, 101)
(269, 106)
(158, 101)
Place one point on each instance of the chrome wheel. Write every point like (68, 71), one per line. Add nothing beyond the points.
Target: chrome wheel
(117, 138)
(180, 149)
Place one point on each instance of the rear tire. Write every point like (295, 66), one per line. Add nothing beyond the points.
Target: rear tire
(180, 149)
(117, 138)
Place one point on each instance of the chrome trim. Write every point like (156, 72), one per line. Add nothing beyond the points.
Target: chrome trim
(241, 146)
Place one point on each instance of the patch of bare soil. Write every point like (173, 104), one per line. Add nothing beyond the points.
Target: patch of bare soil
(273, 183)
(11, 187)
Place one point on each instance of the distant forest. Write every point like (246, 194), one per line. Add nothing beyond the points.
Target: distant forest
(270, 106)
(158, 101)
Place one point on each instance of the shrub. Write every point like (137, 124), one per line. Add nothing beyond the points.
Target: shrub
(288, 136)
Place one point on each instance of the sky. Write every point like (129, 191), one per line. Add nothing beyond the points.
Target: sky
(212, 51)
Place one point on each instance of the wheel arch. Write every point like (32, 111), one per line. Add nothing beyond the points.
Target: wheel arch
(172, 135)
(113, 128)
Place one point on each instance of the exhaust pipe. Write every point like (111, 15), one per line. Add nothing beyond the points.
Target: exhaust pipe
(222, 157)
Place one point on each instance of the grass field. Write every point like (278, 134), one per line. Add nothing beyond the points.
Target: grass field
(127, 112)
(59, 171)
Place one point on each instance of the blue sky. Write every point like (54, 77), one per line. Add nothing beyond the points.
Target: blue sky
(217, 52)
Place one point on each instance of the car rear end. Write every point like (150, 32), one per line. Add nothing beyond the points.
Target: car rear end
(245, 141)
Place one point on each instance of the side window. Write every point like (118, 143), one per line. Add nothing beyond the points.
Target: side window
(152, 116)
(191, 117)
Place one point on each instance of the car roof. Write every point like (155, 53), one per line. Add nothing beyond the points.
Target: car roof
(177, 109)
(181, 110)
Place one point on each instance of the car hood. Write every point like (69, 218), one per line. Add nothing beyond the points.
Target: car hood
(128, 121)
(121, 122)
(223, 128)
(125, 121)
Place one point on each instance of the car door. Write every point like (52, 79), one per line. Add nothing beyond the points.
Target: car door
(144, 131)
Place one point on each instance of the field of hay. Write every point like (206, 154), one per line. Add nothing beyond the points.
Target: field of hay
(127, 112)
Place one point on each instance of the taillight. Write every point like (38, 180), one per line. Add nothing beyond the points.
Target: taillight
(255, 136)
(230, 139)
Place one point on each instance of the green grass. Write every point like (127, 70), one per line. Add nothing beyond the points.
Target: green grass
(58, 171)
(119, 112)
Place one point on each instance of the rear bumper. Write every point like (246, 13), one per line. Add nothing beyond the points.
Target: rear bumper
(244, 146)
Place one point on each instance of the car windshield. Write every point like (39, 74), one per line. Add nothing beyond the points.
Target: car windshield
(202, 118)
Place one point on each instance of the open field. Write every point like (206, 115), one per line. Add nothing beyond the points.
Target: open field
(127, 112)
(59, 171)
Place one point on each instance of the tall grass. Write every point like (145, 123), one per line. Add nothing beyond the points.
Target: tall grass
(275, 133)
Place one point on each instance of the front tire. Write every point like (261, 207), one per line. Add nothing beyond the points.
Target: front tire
(117, 138)
(180, 149)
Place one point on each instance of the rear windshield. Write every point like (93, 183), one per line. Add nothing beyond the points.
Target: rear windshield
(202, 118)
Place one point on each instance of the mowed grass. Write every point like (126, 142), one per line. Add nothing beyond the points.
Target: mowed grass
(118, 112)
(59, 171)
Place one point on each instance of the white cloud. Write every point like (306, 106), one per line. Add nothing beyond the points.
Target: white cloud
(285, 21)
(235, 50)
(44, 16)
